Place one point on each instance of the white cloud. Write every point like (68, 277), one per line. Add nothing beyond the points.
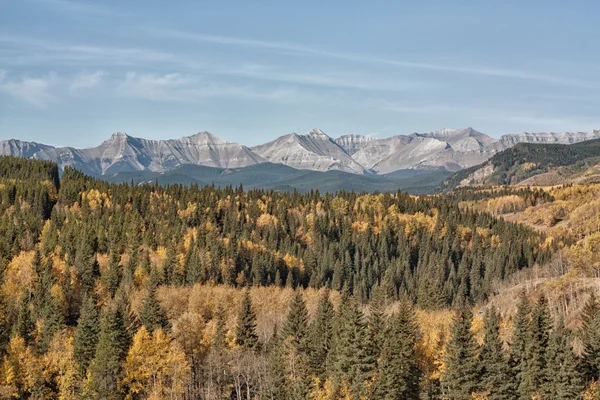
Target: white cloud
(33, 90)
(86, 81)
(176, 87)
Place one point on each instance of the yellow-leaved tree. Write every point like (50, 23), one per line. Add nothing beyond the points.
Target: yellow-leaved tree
(20, 373)
(156, 367)
(60, 367)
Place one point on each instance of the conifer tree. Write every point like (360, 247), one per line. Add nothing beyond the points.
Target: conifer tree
(110, 352)
(534, 378)
(462, 377)
(320, 336)
(152, 315)
(25, 326)
(590, 337)
(497, 376)
(376, 321)
(219, 343)
(353, 358)
(296, 325)
(54, 321)
(86, 334)
(245, 333)
(518, 348)
(112, 275)
(398, 373)
(563, 380)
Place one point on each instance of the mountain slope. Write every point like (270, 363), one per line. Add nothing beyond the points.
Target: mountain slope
(284, 178)
(447, 148)
(524, 161)
(315, 151)
(19, 148)
(123, 153)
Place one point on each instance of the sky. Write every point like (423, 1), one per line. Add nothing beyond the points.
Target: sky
(73, 72)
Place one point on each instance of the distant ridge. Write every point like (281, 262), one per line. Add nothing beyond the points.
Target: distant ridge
(447, 149)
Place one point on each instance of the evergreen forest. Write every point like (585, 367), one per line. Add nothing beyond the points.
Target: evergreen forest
(125, 291)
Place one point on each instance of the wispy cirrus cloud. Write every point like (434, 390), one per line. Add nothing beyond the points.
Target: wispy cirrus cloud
(25, 51)
(373, 59)
(176, 87)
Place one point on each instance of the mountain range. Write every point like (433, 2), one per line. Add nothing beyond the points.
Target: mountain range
(450, 149)
(445, 150)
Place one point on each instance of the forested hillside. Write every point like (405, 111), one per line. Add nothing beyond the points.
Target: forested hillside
(114, 291)
(526, 160)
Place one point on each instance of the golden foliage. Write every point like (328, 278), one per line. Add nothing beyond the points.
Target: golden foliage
(18, 274)
(266, 220)
(155, 366)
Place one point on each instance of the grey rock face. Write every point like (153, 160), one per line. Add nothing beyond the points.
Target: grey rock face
(450, 149)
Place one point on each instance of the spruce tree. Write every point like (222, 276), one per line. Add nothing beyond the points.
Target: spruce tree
(86, 334)
(110, 352)
(353, 358)
(376, 321)
(563, 380)
(497, 376)
(320, 336)
(112, 275)
(219, 342)
(152, 315)
(590, 337)
(295, 327)
(293, 352)
(25, 326)
(518, 348)
(462, 377)
(245, 333)
(54, 321)
(534, 378)
(398, 373)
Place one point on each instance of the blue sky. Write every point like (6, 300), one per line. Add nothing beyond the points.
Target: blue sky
(73, 72)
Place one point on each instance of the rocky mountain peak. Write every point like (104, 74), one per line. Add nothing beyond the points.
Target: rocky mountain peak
(317, 132)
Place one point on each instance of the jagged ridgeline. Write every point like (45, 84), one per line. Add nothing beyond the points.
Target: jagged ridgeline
(424, 248)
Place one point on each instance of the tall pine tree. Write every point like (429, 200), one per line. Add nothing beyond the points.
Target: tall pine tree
(86, 334)
(398, 373)
(463, 376)
(497, 376)
(245, 333)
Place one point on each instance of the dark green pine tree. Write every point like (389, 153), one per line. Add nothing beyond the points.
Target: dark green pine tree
(462, 377)
(376, 321)
(295, 328)
(563, 380)
(170, 264)
(320, 336)
(398, 373)
(219, 342)
(590, 338)
(245, 332)
(112, 275)
(293, 343)
(497, 376)
(152, 315)
(353, 358)
(25, 326)
(54, 322)
(111, 350)
(518, 347)
(534, 377)
(86, 334)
